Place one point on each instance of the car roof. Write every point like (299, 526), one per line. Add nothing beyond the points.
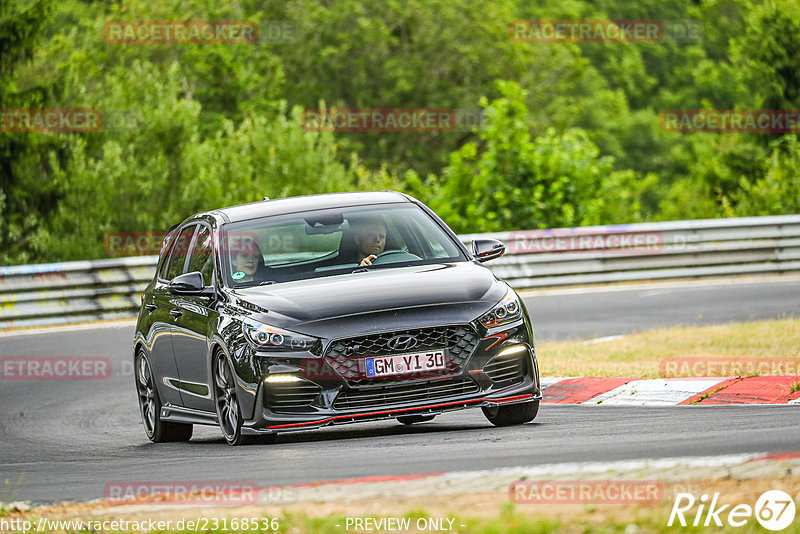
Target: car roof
(283, 206)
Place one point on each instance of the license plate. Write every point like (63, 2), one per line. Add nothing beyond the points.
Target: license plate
(404, 363)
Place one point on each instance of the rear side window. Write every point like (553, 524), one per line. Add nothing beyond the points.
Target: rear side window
(202, 258)
(177, 257)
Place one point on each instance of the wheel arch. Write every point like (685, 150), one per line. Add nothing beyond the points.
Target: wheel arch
(137, 346)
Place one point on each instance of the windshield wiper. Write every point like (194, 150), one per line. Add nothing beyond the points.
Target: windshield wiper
(254, 284)
(381, 266)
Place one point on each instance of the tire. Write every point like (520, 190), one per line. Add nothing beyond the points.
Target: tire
(157, 431)
(411, 419)
(226, 401)
(512, 414)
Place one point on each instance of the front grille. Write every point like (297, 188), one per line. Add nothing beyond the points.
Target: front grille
(343, 355)
(291, 395)
(390, 395)
(505, 371)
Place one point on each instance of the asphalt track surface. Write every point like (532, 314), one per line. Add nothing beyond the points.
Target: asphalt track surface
(606, 311)
(65, 440)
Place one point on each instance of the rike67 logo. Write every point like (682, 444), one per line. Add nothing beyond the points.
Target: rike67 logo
(774, 510)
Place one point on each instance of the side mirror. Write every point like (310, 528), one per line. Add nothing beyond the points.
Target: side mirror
(487, 249)
(190, 284)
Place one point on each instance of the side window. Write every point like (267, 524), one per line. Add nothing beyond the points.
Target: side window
(166, 245)
(177, 257)
(202, 257)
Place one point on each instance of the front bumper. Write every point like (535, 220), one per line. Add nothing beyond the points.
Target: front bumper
(487, 378)
(272, 425)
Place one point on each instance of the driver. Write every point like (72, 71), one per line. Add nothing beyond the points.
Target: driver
(370, 238)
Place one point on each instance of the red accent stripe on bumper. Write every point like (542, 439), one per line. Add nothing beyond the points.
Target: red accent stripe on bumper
(366, 414)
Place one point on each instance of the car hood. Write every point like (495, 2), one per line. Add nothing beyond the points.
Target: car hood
(376, 300)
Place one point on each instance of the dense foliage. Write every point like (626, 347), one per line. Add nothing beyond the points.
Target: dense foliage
(570, 132)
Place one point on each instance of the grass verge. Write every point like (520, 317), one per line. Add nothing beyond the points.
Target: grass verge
(493, 513)
(639, 355)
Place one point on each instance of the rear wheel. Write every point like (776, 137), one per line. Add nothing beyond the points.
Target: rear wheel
(411, 419)
(512, 414)
(150, 407)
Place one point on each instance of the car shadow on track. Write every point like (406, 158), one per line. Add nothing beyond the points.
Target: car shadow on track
(376, 431)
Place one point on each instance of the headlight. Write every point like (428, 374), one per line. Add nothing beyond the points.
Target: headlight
(266, 337)
(507, 311)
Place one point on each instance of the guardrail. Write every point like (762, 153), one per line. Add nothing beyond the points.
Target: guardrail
(649, 251)
(57, 293)
(54, 293)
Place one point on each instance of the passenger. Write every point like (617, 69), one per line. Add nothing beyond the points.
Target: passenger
(247, 263)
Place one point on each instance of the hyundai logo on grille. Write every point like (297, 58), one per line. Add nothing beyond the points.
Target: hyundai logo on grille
(402, 342)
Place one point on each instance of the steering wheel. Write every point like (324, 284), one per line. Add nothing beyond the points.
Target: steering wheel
(394, 255)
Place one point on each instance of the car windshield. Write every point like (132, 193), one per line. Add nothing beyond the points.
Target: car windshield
(330, 242)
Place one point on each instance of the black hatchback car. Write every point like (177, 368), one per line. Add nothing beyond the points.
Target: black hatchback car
(297, 313)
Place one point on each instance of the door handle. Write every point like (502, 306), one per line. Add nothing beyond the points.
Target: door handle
(175, 312)
(150, 307)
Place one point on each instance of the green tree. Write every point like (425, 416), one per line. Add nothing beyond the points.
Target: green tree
(769, 53)
(514, 181)
(133, 185)
(24, 197)
(777, 192)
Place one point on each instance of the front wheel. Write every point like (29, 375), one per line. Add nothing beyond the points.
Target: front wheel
(157, 431)
(512, 414)
(226, 400)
